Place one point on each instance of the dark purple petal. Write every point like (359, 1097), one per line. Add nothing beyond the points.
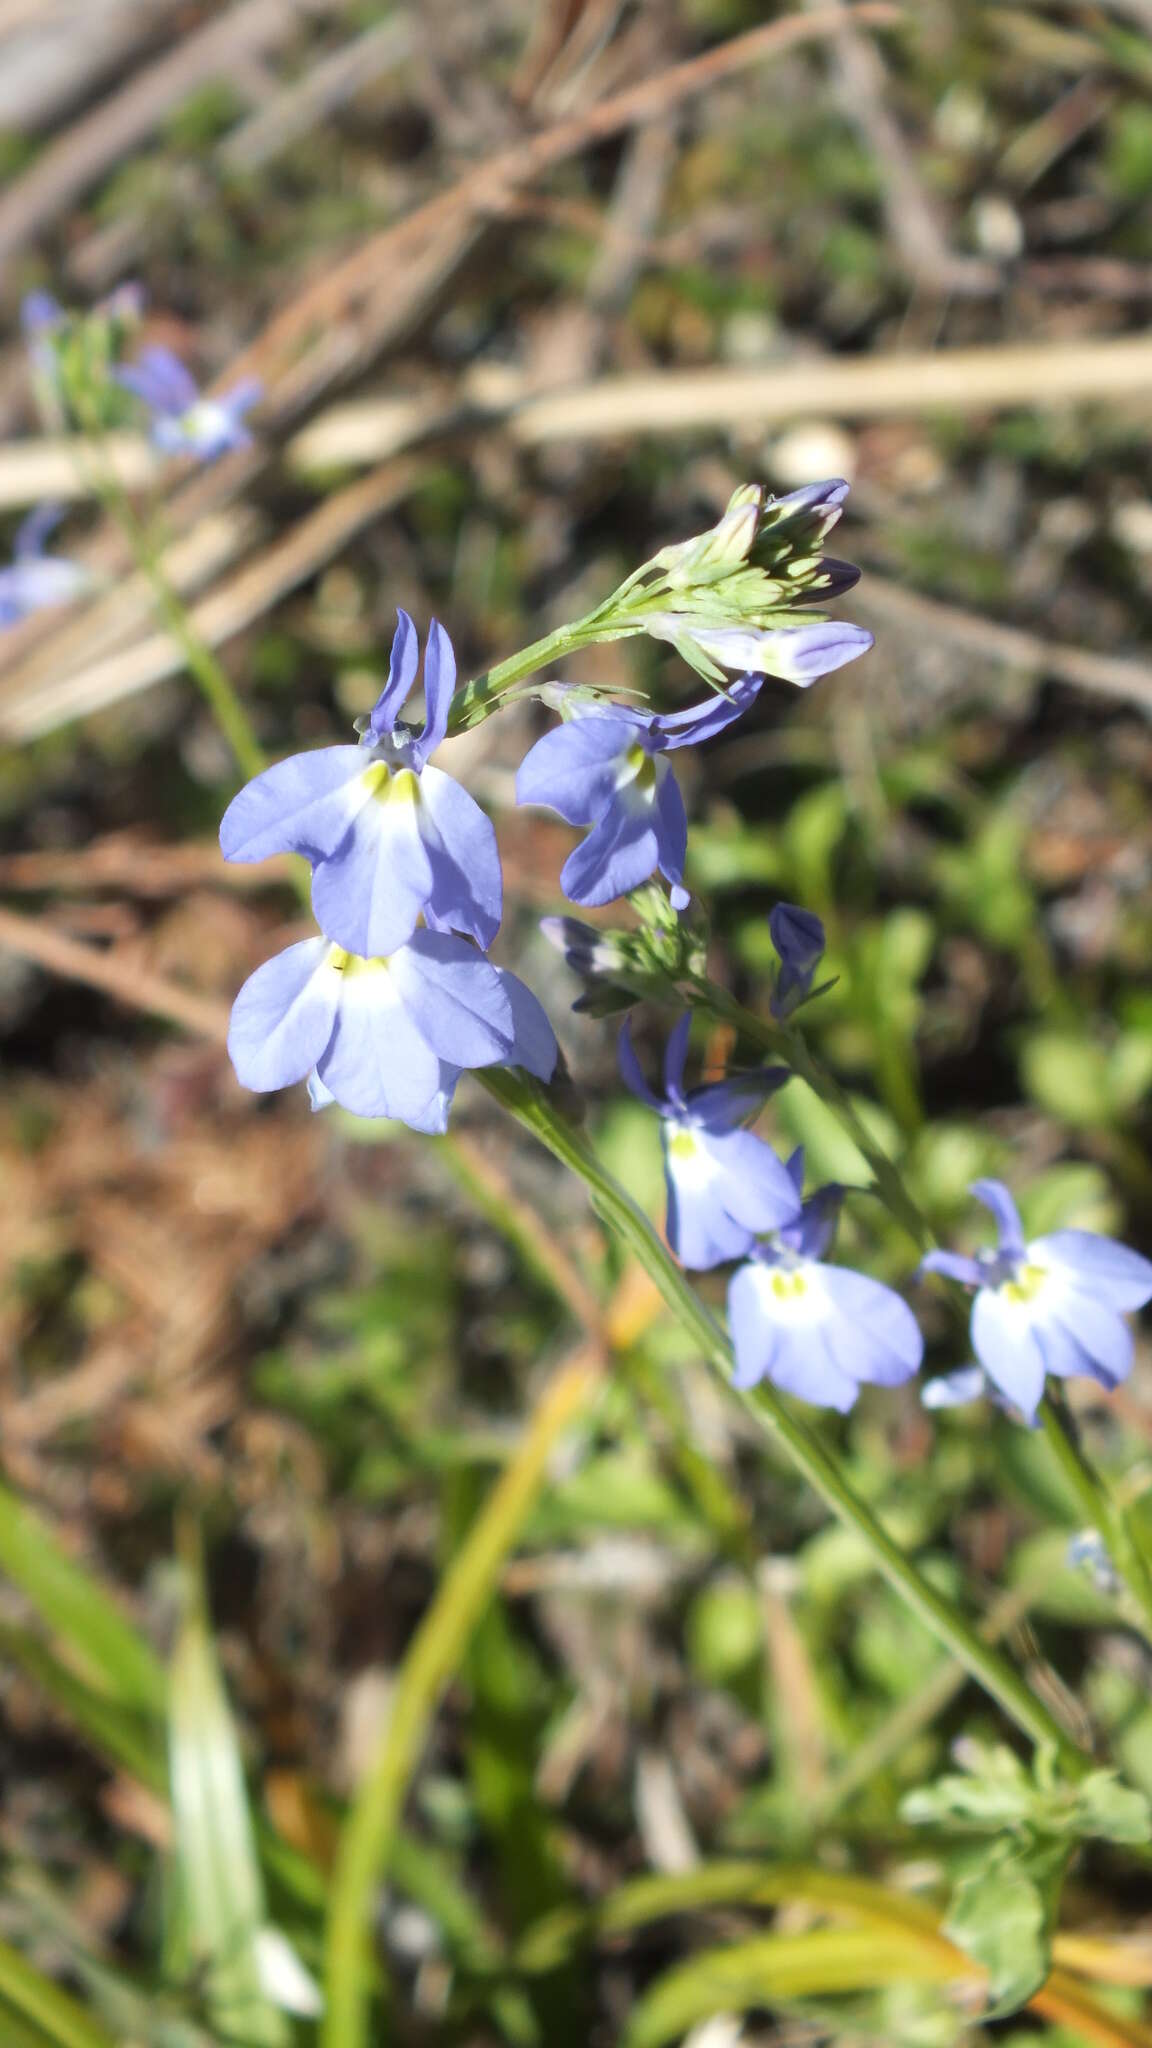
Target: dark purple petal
(798, 937)
(306, 804)
(439, 690)
(402, 665)
(283, 1017)
(995, 1196)
(574, 768)
(631, 1072)
(670, 822)
(675, 1055)
(812, 1235)
(722, 1105)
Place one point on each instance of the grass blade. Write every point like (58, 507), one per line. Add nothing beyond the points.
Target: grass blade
(221, 1889)
(35, 2000)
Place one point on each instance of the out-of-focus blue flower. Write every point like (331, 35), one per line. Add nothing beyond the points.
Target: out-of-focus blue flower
(724, 1184)
(1051, 1305)
(787, 654)
(607, 768)
(798, 937)
(390, 839)
(385, 1037)
(33, 580)
(184, 422)
(816, 1330)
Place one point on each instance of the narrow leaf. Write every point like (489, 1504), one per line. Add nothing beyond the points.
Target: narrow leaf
(219, 1874)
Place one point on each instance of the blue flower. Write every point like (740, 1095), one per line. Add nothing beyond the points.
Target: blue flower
(816, 1330)
(798, 937)
(33, 580)
(390, 839)
(789, 654)
(607, 768)
(385, 1037)
(183, 422)
(724, 1184)
(1050, 1305)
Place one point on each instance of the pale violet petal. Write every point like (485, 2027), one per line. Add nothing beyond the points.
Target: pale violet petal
(575, 767)
(377, 1062)
(460, 842)
(456, 998)
(371, 890)
(283, 1017)
(533, 1040)
(306, 804)
(439, 690)
(1119, 1276)
(618, 854)
(1005, 1344)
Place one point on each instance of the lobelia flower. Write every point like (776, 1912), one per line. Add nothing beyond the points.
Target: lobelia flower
(184, 422)
(816, 1330)
(724, 1184)
(607, 769)
(1049, 1305)
(33, 580)
(798, 937)
(385, 1037)
(390, 839)
(787, 654)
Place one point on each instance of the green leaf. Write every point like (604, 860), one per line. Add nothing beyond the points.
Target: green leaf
(1112, 1811)
(34, 1998)
(1002, 1915)
(75, 1607)
(220, 1886)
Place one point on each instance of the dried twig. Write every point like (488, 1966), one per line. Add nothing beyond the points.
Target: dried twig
(128, 982)
(90, 146)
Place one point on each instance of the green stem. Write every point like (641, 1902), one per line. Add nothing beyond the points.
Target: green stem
(1101, 1512)
(369, 1833)
(532, 1108)
(480, 697)
(215, 683)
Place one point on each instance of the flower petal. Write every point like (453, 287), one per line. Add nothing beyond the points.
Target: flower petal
(808, 1364)
(161, 380)
(618, 854)
(703, 721)
(631, 1071)
(723, 1105)
(955, 1389)
(467, 890)
(675, 1055)
(372, 888)
(1005, 1343)
(305, 804)
(282, 1018)
(1120, 1277)
(753, 1184)
(574, 767)
(377, 1061)
(877, 1336)
(1097, 1329)
(995, 1196)
(754, 1334)
(954, 1266)
(534, 1044)
(439, 690)
(456, 998)
(671, 826)
(402, 665)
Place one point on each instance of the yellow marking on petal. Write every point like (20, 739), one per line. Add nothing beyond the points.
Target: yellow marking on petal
(1027, 1284)
(350, 964)
(683, 1145)
(388, 787)
(788, 1284)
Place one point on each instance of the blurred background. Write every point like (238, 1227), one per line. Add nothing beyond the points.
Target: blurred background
(531, 286)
